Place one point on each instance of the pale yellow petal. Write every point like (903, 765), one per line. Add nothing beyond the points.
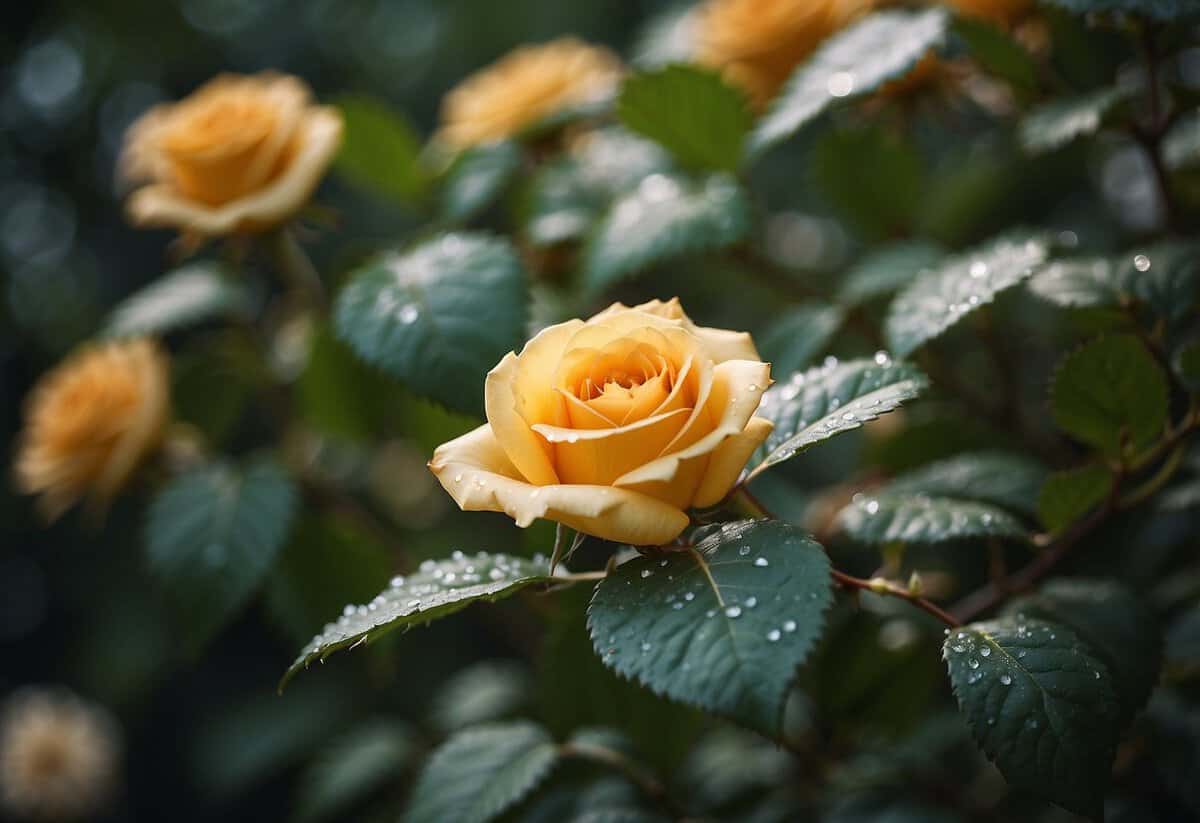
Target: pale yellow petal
(525, 449)
(737, 388)
(160, 205)
(728, 459)
(599, 456)
(477, 473)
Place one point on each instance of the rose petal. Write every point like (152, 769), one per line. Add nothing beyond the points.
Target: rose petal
(599, 456)
(737, 388)
(477, 473)
(721, 344)
(159, 205)
(728, 459)
(528, 452)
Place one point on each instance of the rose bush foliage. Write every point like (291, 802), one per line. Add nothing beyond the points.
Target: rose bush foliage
(909, 488)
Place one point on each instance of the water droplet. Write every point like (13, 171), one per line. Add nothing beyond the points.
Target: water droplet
(840, 84)
(689, 596)
(744, 550)
(710, 613)
(1006, 679)
(789, 625)
(733, 611)
(427, 566)
(882, 358)
(872, 507)
(986, 651)
(458, 477)
(412, 604)
(979, 269)
(761, 562)
(646, 573)
(973, 663)
(397, 581)
(1141, 262)
(646, 647)
(408, 314)
(348, 611)
(751, 602)
(677, 605)
(1096, 675)
(773, 635)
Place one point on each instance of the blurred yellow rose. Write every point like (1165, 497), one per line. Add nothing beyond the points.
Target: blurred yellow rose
(757, 44)
(613, 426)
(239, 154)
(91, 421)
(524, 87)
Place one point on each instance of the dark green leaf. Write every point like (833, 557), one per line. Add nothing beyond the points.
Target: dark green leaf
(186, 296)
(1041, 705)
(793, 340)
(918, 518)
(998, 52)
(1181, 146)
(326, 564)
(482, 693)
(691, 112)
(479, 773)
(380, 151)
(438, 316)
(1120, 628)
(1055, 124)
(946, 294)
(352, 768)
(477, 178)
(1187, 365)
(856, 61)
(1183, 639)
(1069, 495)
(1077, 282)
(887, 270)
(212, 535)
(438, 589)
(871, 175)
(1109, 389)
(665, 217)
(332, 376)
(1153, 9)
(1006, 480)
(723, 626)
(822, 402)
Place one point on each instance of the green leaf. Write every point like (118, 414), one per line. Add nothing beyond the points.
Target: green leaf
(793, 340)
(917, 518)
(482, 693)
(944, 295)
(477, 177)
(476, 775)
(380, 150)
(561, 207)
(871, 175)
(438, 316)
(353, 768)
(1181, 145)
(1006, 480)
(333, 374)
(1109, 389)
(438, 589)
(815, 405)
(212, 535)
(1120, 628)
(665, 217)
(1041, 705)
(1053, 125)
(1068, 495)
(1186, 364)
(722, 626)
(184, 297)
(887, 270)
(854, 62)
(998, 52)
(691, 112)
(326, 564)
(1152, 9)
(1165, 277)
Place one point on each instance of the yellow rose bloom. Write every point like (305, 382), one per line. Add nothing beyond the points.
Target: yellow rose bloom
(239, 154)
(1004, 12)
(91, 421)
(757, 44)
(524, 87)
(614, 426)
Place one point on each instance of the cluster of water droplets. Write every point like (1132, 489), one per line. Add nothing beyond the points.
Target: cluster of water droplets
(436, 583)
